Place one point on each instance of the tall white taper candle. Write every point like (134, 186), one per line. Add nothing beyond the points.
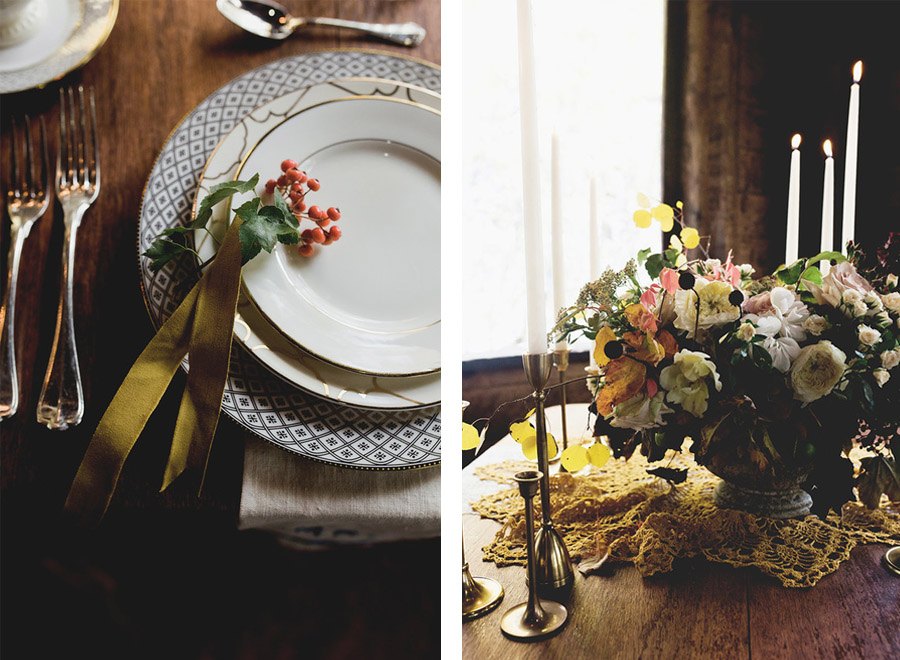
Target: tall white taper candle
(848, 220)
(556, 231)
(827, 243)
(792, 242)
(594, 234)
(531, 182)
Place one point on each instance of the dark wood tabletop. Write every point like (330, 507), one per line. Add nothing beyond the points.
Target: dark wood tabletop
(699, 610)
(171, 561)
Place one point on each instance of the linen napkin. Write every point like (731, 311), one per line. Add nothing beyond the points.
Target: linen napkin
(312, 505)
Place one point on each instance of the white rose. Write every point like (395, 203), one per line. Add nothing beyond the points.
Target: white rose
(890, 359)
(868, 336)
(892, 301)
(881, 376)
(891, 280)
(815, 324)
(882, 319)
(746, 331)
(816, 371)
(859, 308)
(851, 297)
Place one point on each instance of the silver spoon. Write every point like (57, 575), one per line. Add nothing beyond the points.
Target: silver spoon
(268, 19)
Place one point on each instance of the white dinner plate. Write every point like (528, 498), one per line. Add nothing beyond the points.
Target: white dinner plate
(59, 36)
(370, 302)
(268, 345)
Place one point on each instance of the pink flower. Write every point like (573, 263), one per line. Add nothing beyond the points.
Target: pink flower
(760, 304)
(669, 280)
(648, 298)
(842, 277)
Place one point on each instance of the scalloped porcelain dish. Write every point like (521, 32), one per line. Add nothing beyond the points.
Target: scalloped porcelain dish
(46, 39)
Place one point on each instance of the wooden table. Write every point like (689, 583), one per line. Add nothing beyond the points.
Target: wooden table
(123, 584)
(700, 610)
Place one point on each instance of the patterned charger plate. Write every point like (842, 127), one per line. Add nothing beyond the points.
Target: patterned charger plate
(254, 398)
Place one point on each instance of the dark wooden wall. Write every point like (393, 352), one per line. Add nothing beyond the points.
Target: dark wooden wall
(741, 78)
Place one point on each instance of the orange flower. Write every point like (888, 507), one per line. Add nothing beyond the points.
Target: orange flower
(640, 317)
(646, 348)
(624, 378)
(668, 341)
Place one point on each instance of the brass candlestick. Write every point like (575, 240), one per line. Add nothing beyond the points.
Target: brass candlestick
(533, 619)
(555, 577)
(480, 595)
(561, 361)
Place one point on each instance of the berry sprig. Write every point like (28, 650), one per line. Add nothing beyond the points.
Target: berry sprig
(293, 185)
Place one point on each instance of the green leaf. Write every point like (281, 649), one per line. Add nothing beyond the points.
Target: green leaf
(811, 274)
(671, 256)
(163, 250)
(221, 192)
(790, 274)
(262, 229)
(642, 255)
(837, 257)
(654, 265)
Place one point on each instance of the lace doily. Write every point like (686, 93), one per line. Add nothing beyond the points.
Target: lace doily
(643, 520)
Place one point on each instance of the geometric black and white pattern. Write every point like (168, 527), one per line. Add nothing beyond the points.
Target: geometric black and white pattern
(271, 408)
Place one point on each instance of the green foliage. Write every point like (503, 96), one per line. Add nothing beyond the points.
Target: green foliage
(262, 226)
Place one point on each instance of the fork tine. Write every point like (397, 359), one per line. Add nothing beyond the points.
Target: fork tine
(45, 176)
(73, 153)
(15, 186)
(61, 155)
(96, 164)
(82, 145)
(29, 160)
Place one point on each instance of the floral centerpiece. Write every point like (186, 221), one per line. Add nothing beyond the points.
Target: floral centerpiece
(772, 378)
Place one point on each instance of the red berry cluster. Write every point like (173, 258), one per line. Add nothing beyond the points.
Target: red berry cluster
(290, 185)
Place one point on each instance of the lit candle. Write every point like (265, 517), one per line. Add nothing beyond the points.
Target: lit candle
(827, 206)
(791, 249)
(849, 218)
(536, 319)
(556, 229)
(594, 234)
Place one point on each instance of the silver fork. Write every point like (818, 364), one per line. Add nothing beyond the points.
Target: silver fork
(61, 404)
(27, 199)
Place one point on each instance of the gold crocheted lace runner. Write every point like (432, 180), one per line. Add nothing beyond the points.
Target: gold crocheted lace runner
(643, 520)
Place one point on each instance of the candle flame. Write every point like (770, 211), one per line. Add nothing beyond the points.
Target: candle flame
(795, 141)
(857, 71)
(826, 147)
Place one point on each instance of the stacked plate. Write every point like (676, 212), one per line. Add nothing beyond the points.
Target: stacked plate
(337, 357)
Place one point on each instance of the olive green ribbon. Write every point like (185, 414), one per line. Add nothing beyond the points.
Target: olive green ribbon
(201, 328)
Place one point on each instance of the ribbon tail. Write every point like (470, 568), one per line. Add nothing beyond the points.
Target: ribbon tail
(209, 353)
(127, 414)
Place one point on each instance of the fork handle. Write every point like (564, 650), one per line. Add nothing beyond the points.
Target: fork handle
(61, 404)
(9, 379)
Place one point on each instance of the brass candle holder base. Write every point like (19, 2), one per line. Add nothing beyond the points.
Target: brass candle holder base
(515, 623)
(534, 619)
(553, 566)
(480, 595)
(892, 559)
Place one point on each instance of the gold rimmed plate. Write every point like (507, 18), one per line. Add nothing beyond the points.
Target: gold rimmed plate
(269, 345)
(371, 302)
